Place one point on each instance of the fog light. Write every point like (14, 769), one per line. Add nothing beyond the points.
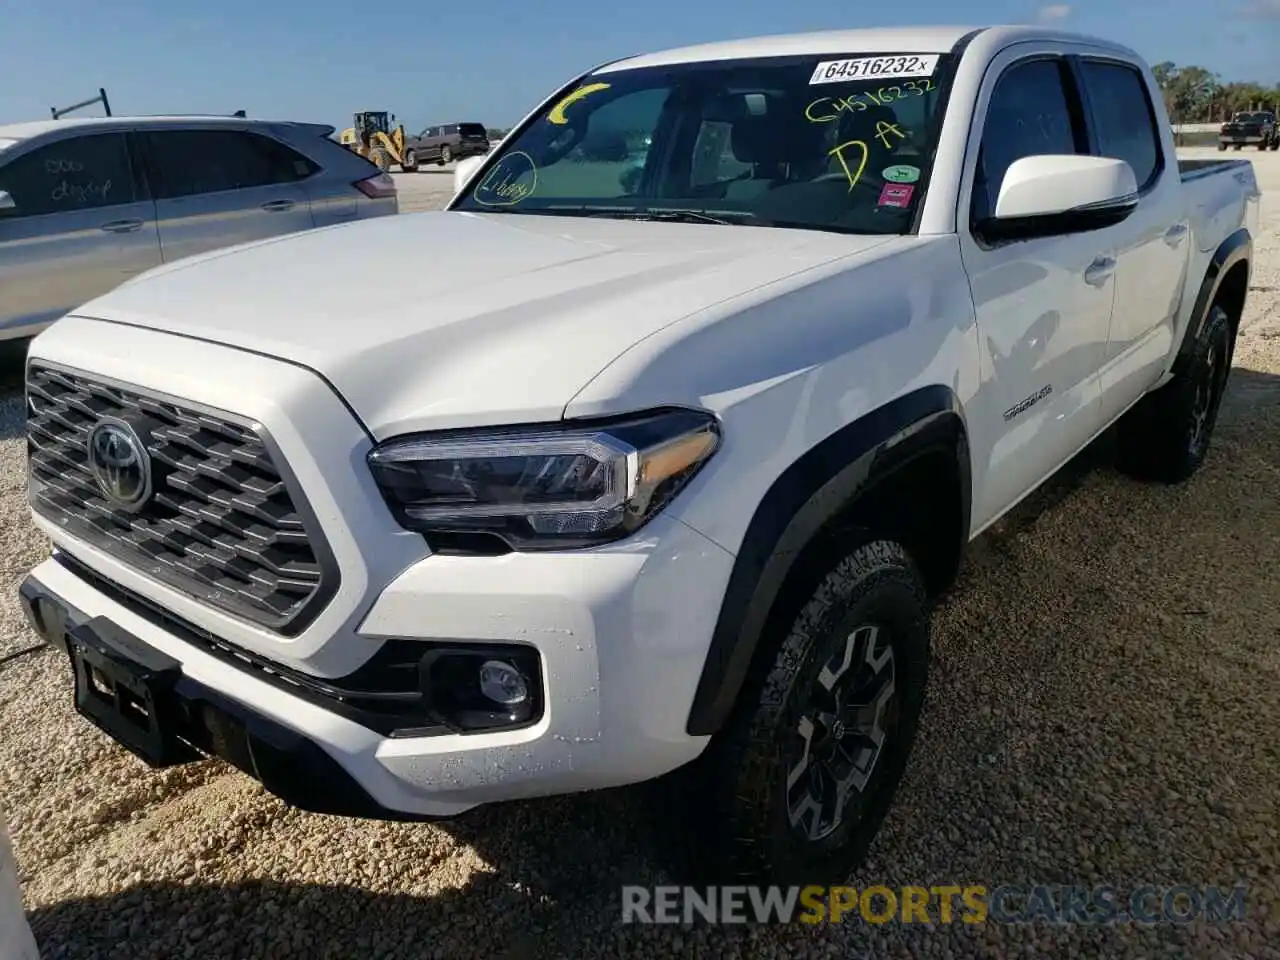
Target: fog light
(502, 683)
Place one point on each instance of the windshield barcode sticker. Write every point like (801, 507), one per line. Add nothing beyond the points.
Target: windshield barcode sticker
(874, 68)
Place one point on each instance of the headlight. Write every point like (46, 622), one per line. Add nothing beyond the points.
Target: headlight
(550, 487)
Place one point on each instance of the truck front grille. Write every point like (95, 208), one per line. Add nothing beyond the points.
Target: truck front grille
(221, 524)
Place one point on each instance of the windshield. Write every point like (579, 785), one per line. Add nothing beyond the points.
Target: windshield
(837, 143)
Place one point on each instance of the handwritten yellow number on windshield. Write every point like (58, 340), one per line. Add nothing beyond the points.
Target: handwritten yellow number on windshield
(883, 129)
(853, 176)
(557, 116)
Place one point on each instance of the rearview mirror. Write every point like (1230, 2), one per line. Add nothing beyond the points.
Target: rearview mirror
(1058, 194)
(6, 202)
(462, 172)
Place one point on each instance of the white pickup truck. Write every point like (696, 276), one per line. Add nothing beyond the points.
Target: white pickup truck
(650, 453)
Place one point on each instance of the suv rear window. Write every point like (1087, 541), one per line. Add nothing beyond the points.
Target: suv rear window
(190, 162)
(471, 129)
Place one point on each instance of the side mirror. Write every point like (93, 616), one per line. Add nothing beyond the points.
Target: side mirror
(1059, 194)
(462, 172)
(6, 202)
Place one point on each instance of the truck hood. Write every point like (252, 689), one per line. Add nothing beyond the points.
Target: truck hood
(447, 319)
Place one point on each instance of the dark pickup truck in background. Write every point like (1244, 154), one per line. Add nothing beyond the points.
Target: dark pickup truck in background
(1253, 128)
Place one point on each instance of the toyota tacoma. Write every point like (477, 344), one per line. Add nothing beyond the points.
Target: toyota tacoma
(643, 481)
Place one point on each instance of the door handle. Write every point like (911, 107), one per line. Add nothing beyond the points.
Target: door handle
(279, 206)
(121, 226)
(1097, 272)
(1173, 236)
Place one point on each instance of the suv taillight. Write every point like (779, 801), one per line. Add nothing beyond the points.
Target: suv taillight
(380, 187)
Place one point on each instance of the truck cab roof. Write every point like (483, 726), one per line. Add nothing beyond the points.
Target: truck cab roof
(922, 39)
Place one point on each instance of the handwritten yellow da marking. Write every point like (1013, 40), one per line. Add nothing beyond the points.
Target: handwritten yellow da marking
(853, 176)
(557, 116)
(883, 129)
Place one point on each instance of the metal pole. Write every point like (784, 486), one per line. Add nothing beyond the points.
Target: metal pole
(105, 105)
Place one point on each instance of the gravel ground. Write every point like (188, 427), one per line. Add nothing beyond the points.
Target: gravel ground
(1104, 710)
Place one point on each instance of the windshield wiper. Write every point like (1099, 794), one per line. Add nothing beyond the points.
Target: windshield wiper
(680, 216)
(642, 213)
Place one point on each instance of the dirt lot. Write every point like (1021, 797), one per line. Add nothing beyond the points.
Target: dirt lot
(1105, 709)
(428, 189)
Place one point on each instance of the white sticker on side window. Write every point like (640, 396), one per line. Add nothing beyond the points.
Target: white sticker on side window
(874, 68)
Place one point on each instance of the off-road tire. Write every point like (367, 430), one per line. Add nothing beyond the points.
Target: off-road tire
(737, 816)
(1165, 436)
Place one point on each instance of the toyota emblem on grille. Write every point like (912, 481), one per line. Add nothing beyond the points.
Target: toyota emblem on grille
(120, 464)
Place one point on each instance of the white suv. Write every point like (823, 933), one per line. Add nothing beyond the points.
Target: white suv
(633, 470)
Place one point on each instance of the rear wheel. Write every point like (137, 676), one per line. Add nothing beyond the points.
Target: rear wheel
(1222, 146)
(1166, 435)
(795, 787)
(446, 155)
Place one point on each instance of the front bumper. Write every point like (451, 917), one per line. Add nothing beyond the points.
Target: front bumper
(621, 636)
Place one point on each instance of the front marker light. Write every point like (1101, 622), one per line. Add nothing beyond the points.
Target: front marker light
(549, 487)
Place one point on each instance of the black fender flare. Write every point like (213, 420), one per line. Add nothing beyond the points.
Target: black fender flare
(1236, 248)
(802, 500)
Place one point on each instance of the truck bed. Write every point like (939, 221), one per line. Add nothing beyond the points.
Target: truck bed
(1194, 169)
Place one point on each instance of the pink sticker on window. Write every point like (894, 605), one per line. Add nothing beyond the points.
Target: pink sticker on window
(895, 195)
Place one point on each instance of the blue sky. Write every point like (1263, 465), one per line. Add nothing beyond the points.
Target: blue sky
(491, 60)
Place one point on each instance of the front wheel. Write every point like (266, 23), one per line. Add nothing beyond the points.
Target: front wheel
(1222, 146)
(410, 163)
(795, 788)
(1166, 435)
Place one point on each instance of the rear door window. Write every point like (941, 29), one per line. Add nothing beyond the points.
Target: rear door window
(192, 162)
(1123, 119)
(77, 173)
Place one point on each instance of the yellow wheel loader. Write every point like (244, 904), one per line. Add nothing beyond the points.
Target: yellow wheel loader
(372, 136)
